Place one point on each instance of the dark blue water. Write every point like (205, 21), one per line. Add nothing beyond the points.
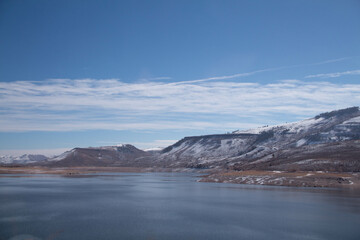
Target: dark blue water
(170, 206)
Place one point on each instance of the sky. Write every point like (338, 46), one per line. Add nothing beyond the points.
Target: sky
(148, 73)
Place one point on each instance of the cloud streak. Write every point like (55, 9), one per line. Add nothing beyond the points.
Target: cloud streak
(82, 104)
(334, 75)
(228, 76)
(155, 78)
(238, 75)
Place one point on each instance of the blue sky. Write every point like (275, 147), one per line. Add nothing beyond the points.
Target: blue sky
(92, 73)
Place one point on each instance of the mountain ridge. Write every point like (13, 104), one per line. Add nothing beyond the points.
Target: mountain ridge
(22, 159)
(288, 146)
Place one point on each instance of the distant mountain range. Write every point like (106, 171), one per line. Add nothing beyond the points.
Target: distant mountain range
(23, 159)
(329, 141)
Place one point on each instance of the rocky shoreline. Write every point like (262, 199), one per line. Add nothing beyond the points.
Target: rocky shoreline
(291, 179)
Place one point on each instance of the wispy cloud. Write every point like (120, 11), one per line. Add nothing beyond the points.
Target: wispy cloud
(156, 143)
(155, 78)
(80, 104)
(239, 75)
(334, 75)
(330, 61)
(228, 76)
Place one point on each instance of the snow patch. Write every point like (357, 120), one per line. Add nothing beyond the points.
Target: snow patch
(300, 142)
(294, 127)
(353, 120)
(62, 156)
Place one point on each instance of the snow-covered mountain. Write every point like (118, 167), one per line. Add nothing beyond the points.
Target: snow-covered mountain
(263, 144)
(329, 141)
(23, 159)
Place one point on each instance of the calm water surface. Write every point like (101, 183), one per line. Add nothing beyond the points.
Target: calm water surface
(170, 206)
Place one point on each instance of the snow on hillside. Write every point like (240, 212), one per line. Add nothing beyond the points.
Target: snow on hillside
(294, 127)
(62, 156)
(355, 120)
(263, 142)
(23, 159)
(259, 144)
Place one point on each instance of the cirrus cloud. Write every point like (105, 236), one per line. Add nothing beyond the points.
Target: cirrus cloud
(82, 104)
(334, 75)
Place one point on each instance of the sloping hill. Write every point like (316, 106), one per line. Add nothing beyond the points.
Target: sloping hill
(124, 155)
(263, 144)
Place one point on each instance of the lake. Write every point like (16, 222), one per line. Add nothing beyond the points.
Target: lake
(170, 206)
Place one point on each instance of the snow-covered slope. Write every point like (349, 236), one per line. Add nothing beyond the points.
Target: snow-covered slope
(23, 159)
(205, 149)
(262, 143)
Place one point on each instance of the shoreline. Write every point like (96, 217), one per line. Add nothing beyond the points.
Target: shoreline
(313, 179)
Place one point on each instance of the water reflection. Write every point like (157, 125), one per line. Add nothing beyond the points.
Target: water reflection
(171, 206)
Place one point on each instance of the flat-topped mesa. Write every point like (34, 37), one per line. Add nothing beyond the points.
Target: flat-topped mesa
(215, 137)
(263, 144)
(124, 155)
